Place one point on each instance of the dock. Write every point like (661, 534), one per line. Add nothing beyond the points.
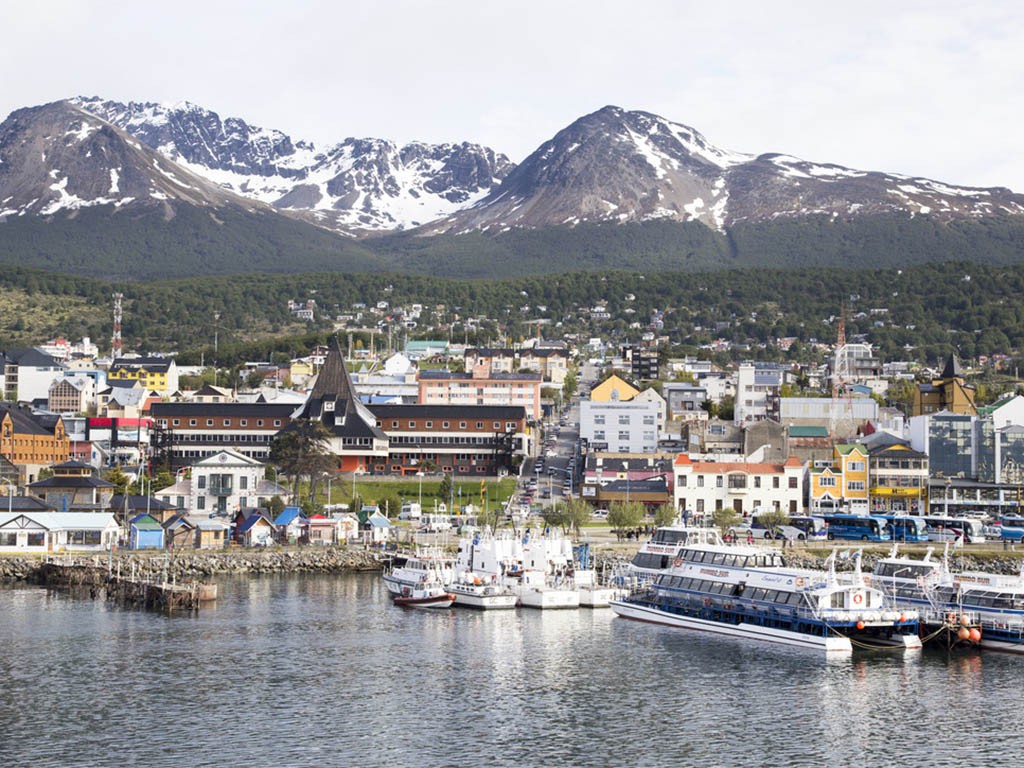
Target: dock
(129, 590)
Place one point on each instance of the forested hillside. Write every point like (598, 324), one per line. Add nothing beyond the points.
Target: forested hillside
(920, 313)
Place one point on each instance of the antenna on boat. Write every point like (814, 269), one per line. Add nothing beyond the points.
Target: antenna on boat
(928, 554)
(858, 575)
(893, 549)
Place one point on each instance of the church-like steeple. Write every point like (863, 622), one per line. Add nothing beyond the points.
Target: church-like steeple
(953, 370)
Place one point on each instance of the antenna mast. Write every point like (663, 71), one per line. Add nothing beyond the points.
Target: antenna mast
(115, 339)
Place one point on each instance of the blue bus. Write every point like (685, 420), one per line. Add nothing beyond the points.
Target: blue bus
(856, 527)
(1011, 527)
(906, 528)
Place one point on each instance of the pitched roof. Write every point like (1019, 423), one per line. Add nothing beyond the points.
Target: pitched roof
(953, 369)
(335, 403)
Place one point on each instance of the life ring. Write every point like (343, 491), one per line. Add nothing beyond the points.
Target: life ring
(800, 582)
(677, 562)
(951, 618)
(858, 598)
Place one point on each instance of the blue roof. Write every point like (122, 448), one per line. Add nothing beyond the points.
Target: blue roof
(250, 522)
(288, 514)
(377, 520)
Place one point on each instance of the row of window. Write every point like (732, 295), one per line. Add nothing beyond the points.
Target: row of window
(737, 481)
(734, 590)
(496, 425)
(224, 422)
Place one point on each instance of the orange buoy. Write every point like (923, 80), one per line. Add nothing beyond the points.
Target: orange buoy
(903, 619)
(860, 625)
(975, 635)
(963, 633)
(964, 621)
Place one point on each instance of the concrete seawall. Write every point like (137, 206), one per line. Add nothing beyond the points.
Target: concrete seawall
(200, 565)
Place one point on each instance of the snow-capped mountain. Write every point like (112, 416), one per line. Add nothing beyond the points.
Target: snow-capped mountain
(356, 185)
(58, 158)
(620, 166)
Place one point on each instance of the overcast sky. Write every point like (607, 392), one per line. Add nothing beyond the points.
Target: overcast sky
(922, 88)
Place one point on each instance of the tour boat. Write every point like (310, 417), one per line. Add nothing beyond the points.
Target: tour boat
(982, 608)
(482, 568)
(748, 591)
(548, 568)
(424, 596)
(657, 554)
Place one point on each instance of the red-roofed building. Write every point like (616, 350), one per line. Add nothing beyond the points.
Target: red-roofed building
(746, 487)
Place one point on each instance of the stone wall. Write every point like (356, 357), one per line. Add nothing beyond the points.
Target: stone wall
(201, 565)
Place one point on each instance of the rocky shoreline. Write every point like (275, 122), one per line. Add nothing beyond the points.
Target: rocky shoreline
(202, 565)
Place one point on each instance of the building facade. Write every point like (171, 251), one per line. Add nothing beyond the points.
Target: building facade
(745, 487)
(481, 387)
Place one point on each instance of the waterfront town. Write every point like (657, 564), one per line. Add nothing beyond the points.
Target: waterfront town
(112, 449)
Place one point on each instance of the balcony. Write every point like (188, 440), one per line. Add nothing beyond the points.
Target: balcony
(220, 489)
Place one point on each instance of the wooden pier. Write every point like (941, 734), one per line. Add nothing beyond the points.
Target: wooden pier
(128, 590)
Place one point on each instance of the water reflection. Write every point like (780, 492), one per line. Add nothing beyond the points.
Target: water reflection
(297, 671)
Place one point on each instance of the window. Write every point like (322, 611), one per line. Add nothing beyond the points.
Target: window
(775, 482)
(259, 422)
(497, 426)
(856, 466)
(175, 422)
(793, 482)
(827, 482)
(428, 425)
(700, 482)
(201, 502)
(598, 434)
(462, 425)
(201, 485)
(599, 418)
(649, 420)
(209, 422)
(445, 425)
(479, 425)
(191, 422)
(624, 419)
(243, 484)
(243, 422)
(412, 425)
(719, 481)
(277, 422)
(510, 426)
(855, 485)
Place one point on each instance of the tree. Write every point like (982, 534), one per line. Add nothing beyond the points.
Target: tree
(772, 519)
(624, 515)
(275, 506)
(445, 490)
(303, 451)
(664, 515)
(724, 518)
(120, 480)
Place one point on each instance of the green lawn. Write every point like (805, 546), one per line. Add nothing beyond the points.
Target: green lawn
(370, 489)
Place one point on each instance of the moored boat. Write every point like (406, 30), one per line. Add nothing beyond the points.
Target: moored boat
(982, 608)
(424, 596)
(748, 591)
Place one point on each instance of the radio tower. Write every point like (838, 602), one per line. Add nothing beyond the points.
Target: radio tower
(115, 340)
(842, 406)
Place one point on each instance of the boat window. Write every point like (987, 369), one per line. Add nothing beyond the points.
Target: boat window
(677, 581)
(718, 559)
(838, 600)
(795, 598)
(722, 588)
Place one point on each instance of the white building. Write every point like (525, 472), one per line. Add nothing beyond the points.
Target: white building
(621, 426)
(757, 392)
(57, 531)
(745, 487)
(222, 483)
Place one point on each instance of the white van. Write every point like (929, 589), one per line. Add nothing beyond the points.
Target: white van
(411, 510)
(436, 523)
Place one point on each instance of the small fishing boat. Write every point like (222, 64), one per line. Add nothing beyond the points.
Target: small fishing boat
(424, 596)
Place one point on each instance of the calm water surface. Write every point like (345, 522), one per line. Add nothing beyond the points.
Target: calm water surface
(323, 671)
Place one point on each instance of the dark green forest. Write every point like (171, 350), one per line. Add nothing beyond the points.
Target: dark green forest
(919, 313)
(185, 241)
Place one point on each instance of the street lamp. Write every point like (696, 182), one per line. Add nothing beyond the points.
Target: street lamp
(10, 496)
(420, 476)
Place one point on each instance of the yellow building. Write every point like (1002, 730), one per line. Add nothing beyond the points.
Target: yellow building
(842, 486)
(949, 392)
(613, 388)
(157, 374)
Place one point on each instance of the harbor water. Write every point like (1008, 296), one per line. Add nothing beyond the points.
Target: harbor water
(324, 671)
